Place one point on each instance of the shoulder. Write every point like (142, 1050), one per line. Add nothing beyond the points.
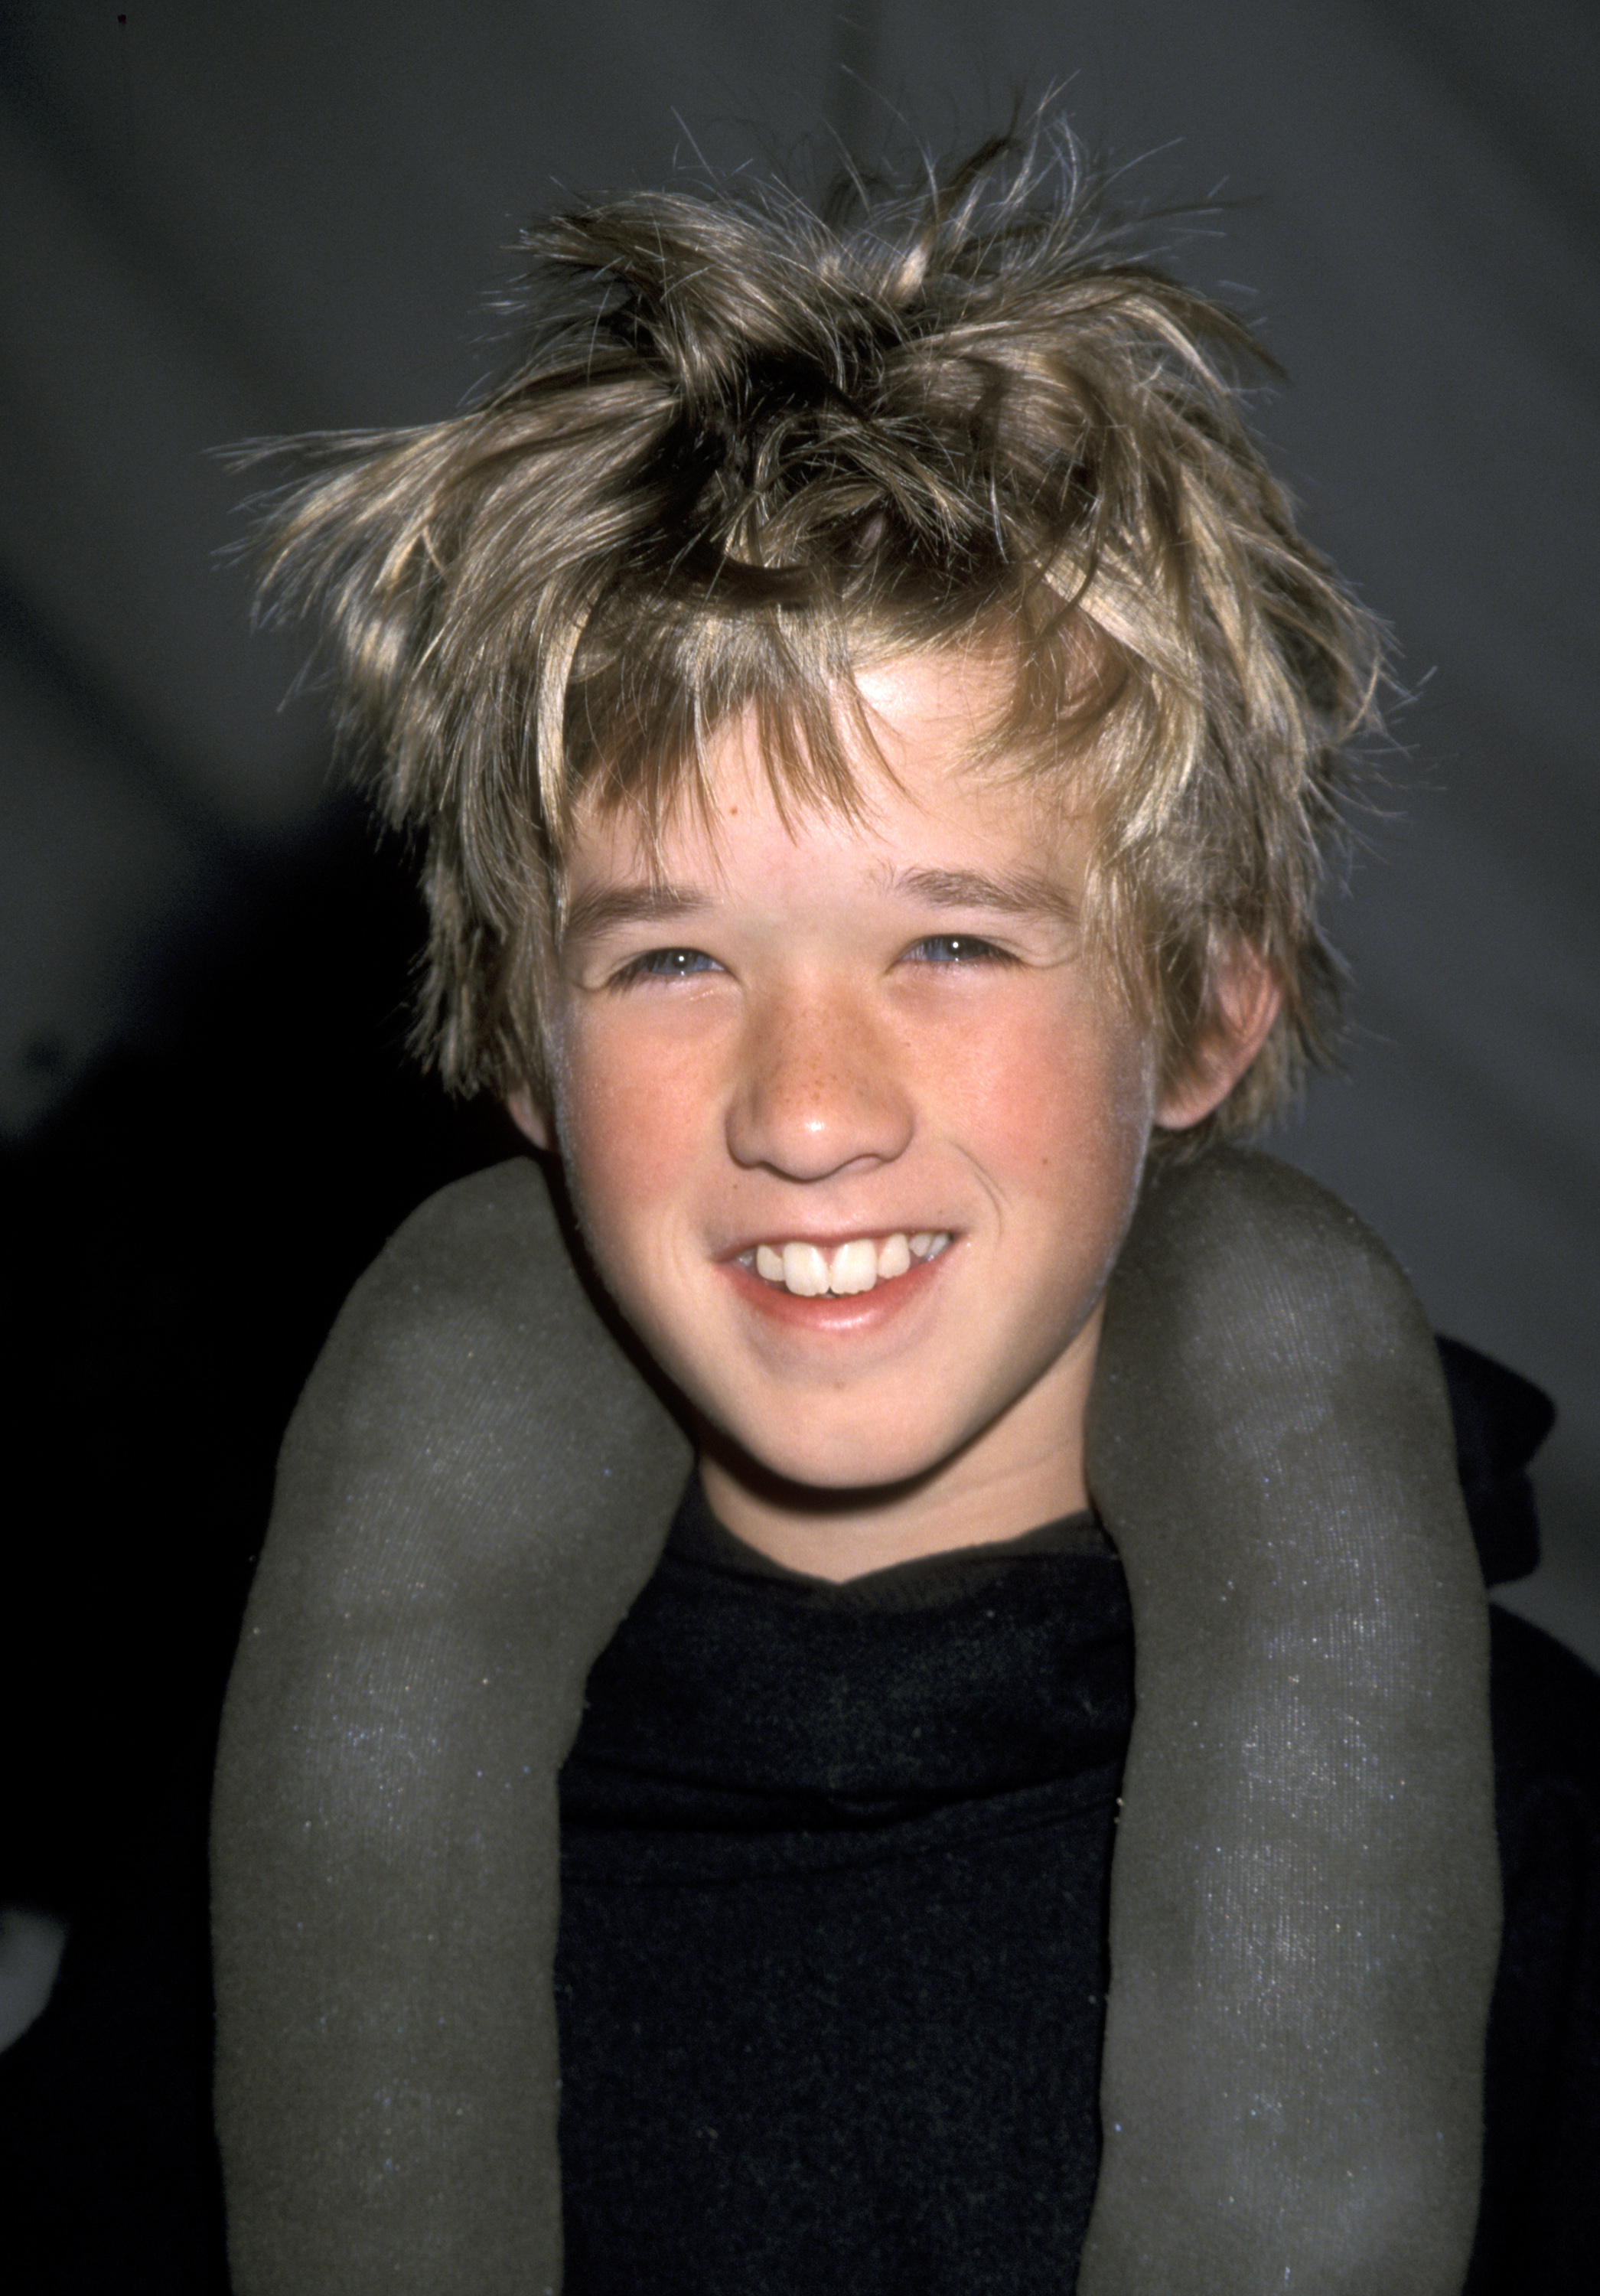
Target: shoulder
(475, 1383)
(487, 1248)
(1540, 2226)
(1545, 1704)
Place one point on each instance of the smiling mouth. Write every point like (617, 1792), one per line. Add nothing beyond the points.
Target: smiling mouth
(860, 1265)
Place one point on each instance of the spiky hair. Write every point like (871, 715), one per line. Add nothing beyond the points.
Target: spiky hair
(746, 446)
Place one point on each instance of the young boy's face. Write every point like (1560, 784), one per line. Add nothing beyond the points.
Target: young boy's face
(876, 1057)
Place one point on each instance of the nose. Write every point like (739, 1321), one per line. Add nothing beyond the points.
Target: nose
(819, 1089)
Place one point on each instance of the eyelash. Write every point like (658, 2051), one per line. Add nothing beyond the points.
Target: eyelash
(963, 949)
(665, 965)
(672, 964)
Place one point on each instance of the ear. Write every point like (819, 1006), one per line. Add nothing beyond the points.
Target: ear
(1247, 1000)
(531, 1116)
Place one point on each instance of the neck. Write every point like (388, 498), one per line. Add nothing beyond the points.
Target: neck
(971, 1500)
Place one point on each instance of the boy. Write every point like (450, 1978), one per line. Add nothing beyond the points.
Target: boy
(875, 728)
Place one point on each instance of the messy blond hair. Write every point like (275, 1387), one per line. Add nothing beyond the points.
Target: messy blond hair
(746, 446)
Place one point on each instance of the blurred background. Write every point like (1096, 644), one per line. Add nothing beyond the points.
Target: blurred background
(225, 221)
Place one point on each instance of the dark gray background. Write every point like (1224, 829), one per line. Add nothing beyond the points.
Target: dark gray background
(224, 220)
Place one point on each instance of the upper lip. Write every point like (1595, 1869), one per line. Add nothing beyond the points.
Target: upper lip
(831, 1240)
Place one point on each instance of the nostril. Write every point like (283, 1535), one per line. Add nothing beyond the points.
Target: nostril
(817, 1096)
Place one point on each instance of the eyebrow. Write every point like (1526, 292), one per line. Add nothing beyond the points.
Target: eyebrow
(1018, 892)
(604, 909)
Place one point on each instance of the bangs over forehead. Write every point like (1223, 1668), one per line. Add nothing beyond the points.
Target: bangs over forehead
(640, 728)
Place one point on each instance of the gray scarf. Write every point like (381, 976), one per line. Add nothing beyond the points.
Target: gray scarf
(1305, 1896)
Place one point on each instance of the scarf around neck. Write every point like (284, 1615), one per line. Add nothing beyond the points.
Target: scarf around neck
(1305, 1898)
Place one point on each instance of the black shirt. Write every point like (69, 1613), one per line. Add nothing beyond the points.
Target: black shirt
(830, 1972)
(831, 1963)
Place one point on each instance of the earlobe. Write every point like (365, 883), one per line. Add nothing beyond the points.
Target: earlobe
(531, 1116)
(1248, 999)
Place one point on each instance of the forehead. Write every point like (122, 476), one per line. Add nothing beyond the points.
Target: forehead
(928, 775)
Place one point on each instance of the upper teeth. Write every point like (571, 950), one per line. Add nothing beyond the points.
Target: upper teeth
(853, 1267)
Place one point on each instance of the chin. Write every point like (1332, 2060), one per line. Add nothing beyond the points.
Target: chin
(853, 1460)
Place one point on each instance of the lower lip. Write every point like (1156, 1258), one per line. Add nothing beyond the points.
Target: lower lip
(853, 1311)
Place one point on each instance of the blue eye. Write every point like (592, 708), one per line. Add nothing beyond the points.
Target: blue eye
(668, 964)
(958, 948)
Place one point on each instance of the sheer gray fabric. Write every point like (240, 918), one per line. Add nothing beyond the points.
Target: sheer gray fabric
(474, 1487)
(1305, 1907)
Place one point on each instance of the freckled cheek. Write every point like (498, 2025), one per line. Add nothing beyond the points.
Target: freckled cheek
(629, 1118)
(1072, 1100)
